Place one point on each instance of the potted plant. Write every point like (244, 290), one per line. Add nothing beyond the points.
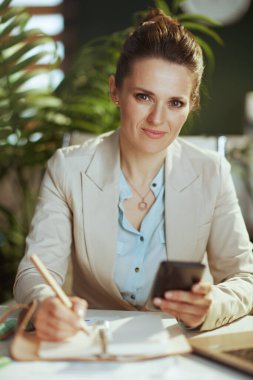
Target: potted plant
(30, 130)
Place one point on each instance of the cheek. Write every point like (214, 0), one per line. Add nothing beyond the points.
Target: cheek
(179, 120)
(182, 117)
(126, 107)
(125, 116)
(131, 112)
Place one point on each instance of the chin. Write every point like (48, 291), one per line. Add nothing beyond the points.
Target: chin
(152, 150)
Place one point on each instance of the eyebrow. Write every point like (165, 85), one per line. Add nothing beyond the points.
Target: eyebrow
(143, 90)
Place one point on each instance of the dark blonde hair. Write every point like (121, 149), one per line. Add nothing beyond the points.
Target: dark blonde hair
(161, 36)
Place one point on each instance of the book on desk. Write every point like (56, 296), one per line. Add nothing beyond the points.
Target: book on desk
(130, 338)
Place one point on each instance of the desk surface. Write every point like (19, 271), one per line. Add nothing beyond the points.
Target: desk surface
(187, 367)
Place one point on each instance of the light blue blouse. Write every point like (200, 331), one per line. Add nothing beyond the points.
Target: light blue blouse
(140, 252)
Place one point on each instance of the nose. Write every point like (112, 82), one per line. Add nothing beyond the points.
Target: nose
(156, 115)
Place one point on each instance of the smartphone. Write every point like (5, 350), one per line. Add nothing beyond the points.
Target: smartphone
(176, 275)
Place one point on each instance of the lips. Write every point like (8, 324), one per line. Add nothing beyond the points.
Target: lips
(154, 134)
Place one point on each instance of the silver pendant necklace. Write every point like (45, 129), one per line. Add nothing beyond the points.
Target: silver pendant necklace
(142, 205)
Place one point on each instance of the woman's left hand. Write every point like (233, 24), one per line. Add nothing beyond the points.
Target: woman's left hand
(190, 307)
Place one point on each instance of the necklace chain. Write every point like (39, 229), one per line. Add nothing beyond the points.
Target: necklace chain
(142, 205)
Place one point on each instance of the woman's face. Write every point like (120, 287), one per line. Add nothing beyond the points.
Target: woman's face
(154, 102)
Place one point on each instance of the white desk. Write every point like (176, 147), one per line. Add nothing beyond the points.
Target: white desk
(188, 367)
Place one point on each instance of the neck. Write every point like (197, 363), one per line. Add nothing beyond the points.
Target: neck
(139, 168)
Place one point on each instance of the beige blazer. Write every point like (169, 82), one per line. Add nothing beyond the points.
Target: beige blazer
(77, 214)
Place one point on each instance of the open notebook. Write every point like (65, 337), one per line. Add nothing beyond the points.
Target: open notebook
(142, 336)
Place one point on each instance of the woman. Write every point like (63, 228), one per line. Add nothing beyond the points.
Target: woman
(126, 200)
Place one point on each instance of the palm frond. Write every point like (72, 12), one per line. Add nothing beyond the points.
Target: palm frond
(176, 4)
(162, 4)
(29, 116)
(4, 5)
(198, 17)
(203, 29)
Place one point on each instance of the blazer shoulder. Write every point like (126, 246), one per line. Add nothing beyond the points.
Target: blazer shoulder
(208, 163)
(79, 156)
(194, 150)
(202, 156)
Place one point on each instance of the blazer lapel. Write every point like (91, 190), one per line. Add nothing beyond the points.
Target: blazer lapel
(100, 192)
(100, 189)
(182, 201)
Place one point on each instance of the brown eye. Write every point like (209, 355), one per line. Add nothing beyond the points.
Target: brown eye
(176, 103)
(143, 97)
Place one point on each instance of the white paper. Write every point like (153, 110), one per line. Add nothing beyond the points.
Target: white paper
(142, 334)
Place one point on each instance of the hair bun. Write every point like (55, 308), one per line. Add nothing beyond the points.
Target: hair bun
(156, 15)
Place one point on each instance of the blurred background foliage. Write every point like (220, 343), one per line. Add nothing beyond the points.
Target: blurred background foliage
(31, 127)
(34, 121)
(84, 90)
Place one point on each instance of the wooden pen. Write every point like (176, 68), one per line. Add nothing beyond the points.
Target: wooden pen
(56, 288)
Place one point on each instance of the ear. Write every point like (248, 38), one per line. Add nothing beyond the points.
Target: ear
(113, 89)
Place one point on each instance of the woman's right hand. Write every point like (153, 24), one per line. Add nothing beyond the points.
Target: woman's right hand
(54, 322)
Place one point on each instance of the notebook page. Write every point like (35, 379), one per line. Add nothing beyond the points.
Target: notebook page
(138, 335)
(141, 335)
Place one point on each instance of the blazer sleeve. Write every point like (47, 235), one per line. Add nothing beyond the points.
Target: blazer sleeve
(230, 257)
(50, 235)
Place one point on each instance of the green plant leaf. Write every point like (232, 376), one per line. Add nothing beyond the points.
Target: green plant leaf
(21, 37)
(26, 48)
(19, 21)
(176, 5)
(203, 29)
(10, 13)
(5, 5)
(23, 77)
(197, 17)
(23, 112)
(24, 64)
(162, 4)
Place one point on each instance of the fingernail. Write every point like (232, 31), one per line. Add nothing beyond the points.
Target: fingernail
(168, 295)
(157, 301)
(199, 288)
